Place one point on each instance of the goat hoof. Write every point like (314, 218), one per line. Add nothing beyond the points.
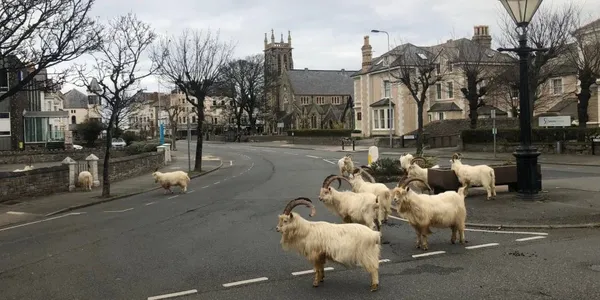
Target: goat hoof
(453, 242)
(315, 284)
(374, 287)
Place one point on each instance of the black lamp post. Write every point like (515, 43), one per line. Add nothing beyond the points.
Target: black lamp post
(528, 182)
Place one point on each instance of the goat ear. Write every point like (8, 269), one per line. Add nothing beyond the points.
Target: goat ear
(329, 189)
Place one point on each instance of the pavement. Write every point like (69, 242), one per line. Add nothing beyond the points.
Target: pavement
(218, 241)
(33, 208)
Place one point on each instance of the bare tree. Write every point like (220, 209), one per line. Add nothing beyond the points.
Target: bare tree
(479, 67)
(116, 70)
(123, 114)
(43, 34)
(228, 88)
(584, 56)
(194, 63)
(174, 111)
(551, 29)
(416, 69)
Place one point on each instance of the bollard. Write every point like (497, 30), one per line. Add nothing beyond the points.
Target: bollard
(353, 149)
(342, 144)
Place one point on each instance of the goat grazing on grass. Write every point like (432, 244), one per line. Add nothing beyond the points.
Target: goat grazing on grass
(439, 211)
(169, 179)
(360, 208)
(85, 180)
(479, 175)
(347, 244)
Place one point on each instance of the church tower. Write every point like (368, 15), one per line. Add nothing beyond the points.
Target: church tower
(278, 58)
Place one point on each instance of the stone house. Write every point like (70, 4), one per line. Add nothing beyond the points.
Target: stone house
(374, 87)
(82, 107)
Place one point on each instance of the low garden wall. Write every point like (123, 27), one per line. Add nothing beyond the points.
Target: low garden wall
(45, 156)
(131, 166)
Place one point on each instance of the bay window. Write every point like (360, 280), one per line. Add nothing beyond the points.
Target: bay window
(383, 118)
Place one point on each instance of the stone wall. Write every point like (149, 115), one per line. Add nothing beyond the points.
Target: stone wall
(36, 182)
(302, 140)
(44, 156)
(131, 166)
(567, 148)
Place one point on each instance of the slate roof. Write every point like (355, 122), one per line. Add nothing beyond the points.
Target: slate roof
(487, 110)
(321, 82)
(75, 99)
(444, 106)
(562, 104)
(382, 102)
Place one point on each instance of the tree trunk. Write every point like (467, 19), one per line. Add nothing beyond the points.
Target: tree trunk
(420, 137)
(473, 114)
(106, 165)
(174, 137)
(198, 163)
(584, 100)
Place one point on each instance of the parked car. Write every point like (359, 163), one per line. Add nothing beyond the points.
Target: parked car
(77, 147)
(118, 143)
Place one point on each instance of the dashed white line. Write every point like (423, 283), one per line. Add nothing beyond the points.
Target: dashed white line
(428, 254)
(231, 162)
(118, 211)
(329, 161)
(15, 212)
(290, 153)
(165, 296)
(245, 281)
(150, 203)
(312, 156)
(189, 192)
(530, 238)
(40, 221)
(384, 260)
(173, 197)
(217, 182)
(205, 186)
(482, 246)
(310, 271)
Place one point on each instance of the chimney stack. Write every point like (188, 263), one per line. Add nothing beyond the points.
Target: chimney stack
(367, 54)
(482, 36)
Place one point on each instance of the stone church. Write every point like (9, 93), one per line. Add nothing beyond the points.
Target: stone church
(303, 98)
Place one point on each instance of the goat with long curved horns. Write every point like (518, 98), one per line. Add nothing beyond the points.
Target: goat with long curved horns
(348, 244)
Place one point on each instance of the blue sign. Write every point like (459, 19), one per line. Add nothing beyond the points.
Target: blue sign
(162, 133)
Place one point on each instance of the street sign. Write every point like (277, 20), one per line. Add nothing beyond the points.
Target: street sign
(280, 125)
(556, 121)
(494, 131)
(493, 113)
(409, 137)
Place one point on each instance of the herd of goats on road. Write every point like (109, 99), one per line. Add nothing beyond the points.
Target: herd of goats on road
(357, 242)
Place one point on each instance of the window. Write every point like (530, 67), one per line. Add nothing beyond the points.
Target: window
(214, 102)
(438, 71)
(320, 100)
(304, 100)
(387, 89)
(438, 90)
(440, 116)
(3, 80)
(514, 92)
(358, 116)
(193, 119)
(430, 117)
(313, 121)
(336, 100)
(383, 118)
(73, 120)
(450, 89)
(557, 86)
(449, 66)
(4, 124)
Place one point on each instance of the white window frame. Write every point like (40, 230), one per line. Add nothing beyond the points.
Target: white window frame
(387, 89)
(450, 87)
(441, 116)
(438, 91)
(553, 86)
(5, 122)
(388, 118)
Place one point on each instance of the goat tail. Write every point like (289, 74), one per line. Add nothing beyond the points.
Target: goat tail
(493, 177)
(187, 178)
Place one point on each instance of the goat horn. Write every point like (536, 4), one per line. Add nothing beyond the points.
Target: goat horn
(156, 170)
(369, 176)
(366, 167)
(406, 182)
(329, 179)
(402, 179)
(455, 156)
(300, 201)
(421, 159)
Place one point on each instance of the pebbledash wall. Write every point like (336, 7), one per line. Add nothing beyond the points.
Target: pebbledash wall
(44, 181)
(44, 156)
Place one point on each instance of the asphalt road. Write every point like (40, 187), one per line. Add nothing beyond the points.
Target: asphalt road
(222, 233)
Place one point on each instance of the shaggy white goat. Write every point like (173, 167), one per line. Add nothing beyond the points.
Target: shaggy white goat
(85, 180)
(383, 193)
(361, 208)
(479, 175)
(445, 210)
(27, 168)
(405, 160)
(169, 179)
(345, 165)
(348, 244)
(414, 170)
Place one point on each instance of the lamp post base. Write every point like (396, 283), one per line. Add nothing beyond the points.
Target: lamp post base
(529, 183)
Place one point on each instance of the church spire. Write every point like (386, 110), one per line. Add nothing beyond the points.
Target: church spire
(289, 38)
(272, 36)
(266, 41)
(281, 38)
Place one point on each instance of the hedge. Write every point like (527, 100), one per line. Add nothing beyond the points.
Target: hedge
(141, 147)
(321, 132)
(539, 135)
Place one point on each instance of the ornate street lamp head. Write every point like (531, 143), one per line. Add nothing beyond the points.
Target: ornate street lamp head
(521, 11)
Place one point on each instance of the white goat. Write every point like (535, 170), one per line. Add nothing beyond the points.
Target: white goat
(361, 208)
(27, 168)
(347, 244)
(479, 175)
(405, 161)
(439, 211)
(359, 185)
(168, 179)
(85, 180)
(414, 170)
(345, 165)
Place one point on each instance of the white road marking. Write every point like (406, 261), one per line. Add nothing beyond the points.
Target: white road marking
(189, 192)
(384, 260)
(231, 162)
(310, 271)
(165, 296)
(530, 238)
(15, 213)
(312, 156)
(205, 186)
(290, 153)
(428, 254)
(173, 197)
(118, 211)
(484, 230)
(217, 182)
(150, 203)
(482, 246)
(40, 221)
(329, 161)
(245, 281)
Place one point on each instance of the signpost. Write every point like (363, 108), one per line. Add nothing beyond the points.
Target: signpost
(556, 121)
(494, 131)
(189, 139)
(162, 133)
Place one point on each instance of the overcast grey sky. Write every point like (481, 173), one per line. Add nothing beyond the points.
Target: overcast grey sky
(326, 34)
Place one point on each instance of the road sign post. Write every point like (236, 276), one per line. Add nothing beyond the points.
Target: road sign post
(494, 130)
